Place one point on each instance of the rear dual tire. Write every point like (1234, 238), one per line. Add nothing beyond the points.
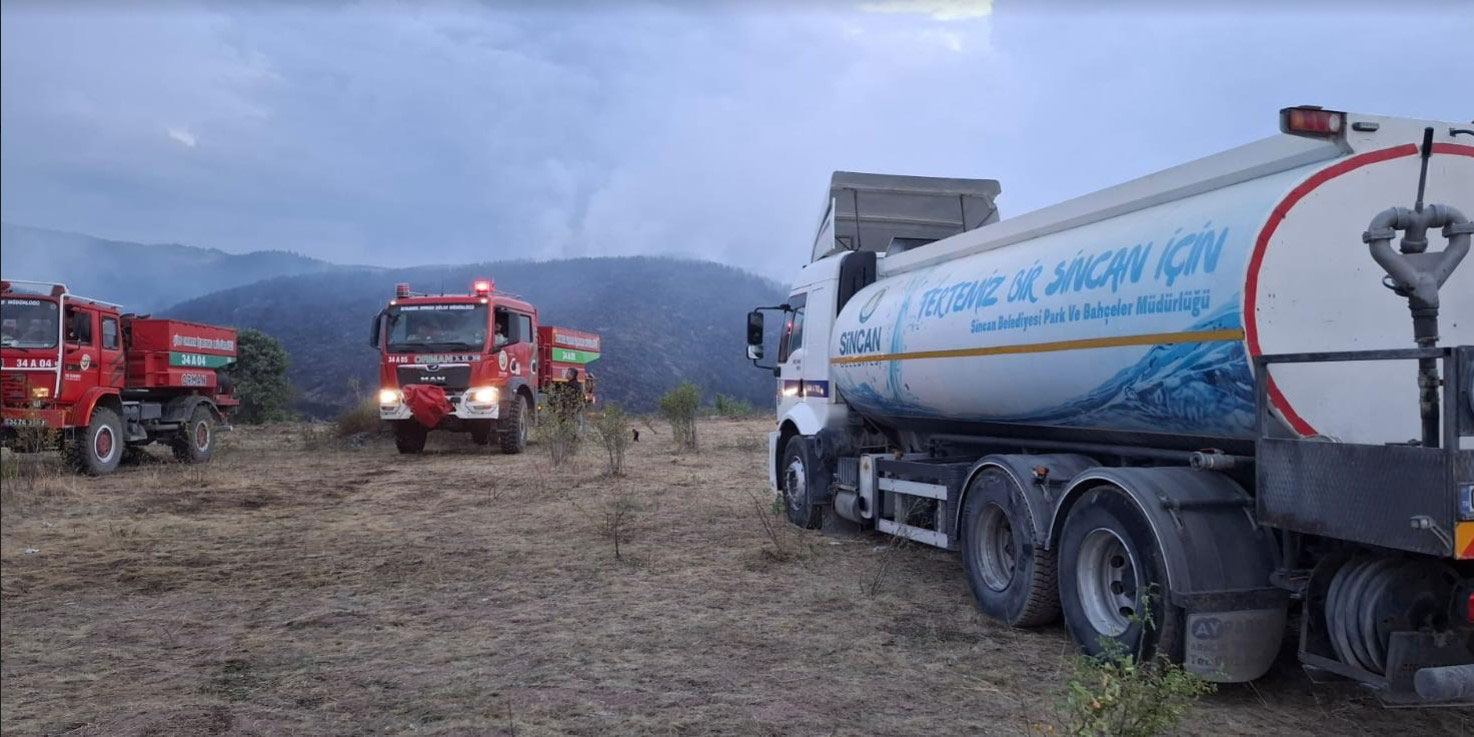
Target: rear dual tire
(1106, 576)
(1113, 579)
(195, 442)
(1012, 577)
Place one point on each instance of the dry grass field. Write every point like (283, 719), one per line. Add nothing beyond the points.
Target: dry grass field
(301, 586)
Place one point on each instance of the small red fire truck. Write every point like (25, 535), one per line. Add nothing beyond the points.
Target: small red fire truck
(474, 363)
(77, 374)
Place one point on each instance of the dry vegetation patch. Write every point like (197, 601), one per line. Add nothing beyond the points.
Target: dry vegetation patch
(305, 585)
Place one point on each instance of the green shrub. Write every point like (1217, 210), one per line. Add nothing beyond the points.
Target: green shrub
(679, 407)
(360, 418)
(1115, 695)
(613, 429)
(558, 425)
(726, 406)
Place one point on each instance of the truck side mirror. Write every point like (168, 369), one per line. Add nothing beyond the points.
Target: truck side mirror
(378, 327)
(755, 334)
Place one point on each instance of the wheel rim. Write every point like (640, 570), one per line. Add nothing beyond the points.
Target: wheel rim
(522, 424)
(202, 435)
(995, 548)
(795, 484)
(1106, 579)
(103, 444)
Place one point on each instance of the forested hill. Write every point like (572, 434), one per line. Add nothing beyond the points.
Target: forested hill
(663, 320)
(141, 277)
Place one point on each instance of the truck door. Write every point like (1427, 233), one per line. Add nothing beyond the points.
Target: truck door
(110, 347)
(791, 354)
(81, 364)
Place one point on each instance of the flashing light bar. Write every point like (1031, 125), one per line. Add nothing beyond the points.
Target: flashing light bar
(482, 287)
(1313, 122)
(401, 290)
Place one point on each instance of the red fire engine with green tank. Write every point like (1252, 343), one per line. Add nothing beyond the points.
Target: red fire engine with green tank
(475, 363)
(78, 374)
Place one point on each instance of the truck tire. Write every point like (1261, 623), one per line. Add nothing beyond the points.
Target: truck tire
(409, 436)
(195, 442)
(481, 432)
(794, 476)
(514, 426)
(1113, 579)
(99, 448)
(1012, 577)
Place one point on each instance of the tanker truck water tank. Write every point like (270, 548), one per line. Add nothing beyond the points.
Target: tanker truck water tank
(1145, 322)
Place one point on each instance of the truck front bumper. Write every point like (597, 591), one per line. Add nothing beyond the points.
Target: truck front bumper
(16, 418)
(461, 408)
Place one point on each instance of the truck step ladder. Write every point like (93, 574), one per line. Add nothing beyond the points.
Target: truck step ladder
(919, 498)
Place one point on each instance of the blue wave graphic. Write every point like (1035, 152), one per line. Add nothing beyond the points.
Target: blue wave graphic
(1190, 388)
(1197, 388)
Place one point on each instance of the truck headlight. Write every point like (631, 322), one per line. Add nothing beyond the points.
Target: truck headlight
(40, 392)
(388, 397)
(484, 395)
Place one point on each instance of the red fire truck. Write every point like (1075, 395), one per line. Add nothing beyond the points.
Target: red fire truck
(474, 363)
(77, 374)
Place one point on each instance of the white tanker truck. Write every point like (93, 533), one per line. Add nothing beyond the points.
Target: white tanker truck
(1168, 412)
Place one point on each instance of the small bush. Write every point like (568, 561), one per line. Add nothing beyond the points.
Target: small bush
(726, 406)
(360, 418)
(619, 514)
(1115, 695)
(557, 433)
(612, 427)
(22, 465)
(679, 407)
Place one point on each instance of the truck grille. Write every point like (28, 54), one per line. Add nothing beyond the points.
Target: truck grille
(450, 376)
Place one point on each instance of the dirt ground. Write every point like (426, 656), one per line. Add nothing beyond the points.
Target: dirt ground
(304, 586)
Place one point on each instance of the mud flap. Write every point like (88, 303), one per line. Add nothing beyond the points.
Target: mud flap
(1233, 636)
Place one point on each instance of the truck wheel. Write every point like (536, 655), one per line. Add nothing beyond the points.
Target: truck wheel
(481, 432)
(99, 448)
(1113, 579)
(794, 476)
(195, 442)
(514, 426)
(409, 436)
(1012, 577)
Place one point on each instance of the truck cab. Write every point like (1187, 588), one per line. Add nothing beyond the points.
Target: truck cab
(473, 363)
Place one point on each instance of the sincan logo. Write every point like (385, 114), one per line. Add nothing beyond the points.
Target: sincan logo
(870, 304)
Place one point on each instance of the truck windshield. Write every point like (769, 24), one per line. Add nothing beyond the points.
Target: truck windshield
(440, 327)
(28, 323)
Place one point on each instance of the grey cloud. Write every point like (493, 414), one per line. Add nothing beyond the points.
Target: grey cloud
(403, 134)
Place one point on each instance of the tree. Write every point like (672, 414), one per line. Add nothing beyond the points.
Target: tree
(260, 374)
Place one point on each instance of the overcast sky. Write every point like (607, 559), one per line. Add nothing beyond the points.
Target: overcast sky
(402, 134)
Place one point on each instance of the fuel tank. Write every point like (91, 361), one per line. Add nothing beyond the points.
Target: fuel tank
(1146, 322)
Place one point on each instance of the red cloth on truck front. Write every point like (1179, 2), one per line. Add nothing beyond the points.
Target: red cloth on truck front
(427, 403)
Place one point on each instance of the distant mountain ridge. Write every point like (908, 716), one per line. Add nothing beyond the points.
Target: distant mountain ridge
(141, 277)
(663, 320)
